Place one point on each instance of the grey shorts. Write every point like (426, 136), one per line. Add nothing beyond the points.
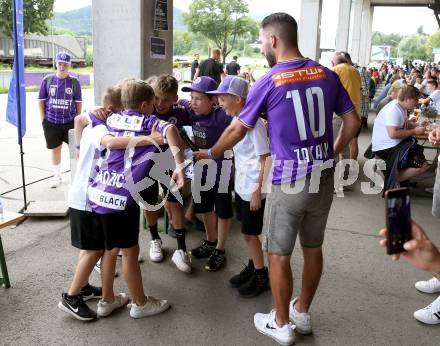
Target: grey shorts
(304, 212)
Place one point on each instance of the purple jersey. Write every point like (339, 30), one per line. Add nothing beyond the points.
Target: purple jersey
(207, 129)
(60, 97)
(299, 98)
(178, 115)
(114, 178)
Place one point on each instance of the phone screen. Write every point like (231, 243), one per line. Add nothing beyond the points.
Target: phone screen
(399, 220)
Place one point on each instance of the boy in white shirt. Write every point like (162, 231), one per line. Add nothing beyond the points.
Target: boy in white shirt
(434, 94)
(250, 156)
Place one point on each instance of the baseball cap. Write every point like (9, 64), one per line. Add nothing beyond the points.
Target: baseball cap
(232, 85)
(62, 57)
(202, 85)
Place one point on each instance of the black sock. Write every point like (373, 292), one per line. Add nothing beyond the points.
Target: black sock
(251, 263)
(180, 236)
(220, 251)
(153, 231)
(212, 243)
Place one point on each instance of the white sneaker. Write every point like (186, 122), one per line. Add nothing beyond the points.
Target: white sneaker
(156, 254)
(152, 307)
(300, 319)
(105, 309)
(97, 268)
(182, 260)
(55, 182)
(429, 286)
(430, 314)
(266, 324)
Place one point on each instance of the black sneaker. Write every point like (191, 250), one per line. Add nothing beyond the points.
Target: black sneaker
(91, 292)
(215, 261)
(257, 284)
(203, 250)
(76, 307)
(242, 277)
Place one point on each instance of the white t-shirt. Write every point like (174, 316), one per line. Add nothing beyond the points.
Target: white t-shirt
(90, 141)
(435, 98)
(390, 115)
(247, 154)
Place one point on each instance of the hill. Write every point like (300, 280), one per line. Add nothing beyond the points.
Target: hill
(78, 21)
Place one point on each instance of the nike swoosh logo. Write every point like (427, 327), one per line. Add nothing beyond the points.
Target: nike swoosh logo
(70, 306)
(268, 326)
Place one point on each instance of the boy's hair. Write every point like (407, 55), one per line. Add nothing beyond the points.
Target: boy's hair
(152, 81)
(112, 97)
(166, 84)
(408, 92)
(134, 92)
(432, 82)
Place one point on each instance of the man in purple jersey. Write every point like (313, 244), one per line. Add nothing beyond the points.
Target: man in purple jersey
(59, 102)
(299, 97)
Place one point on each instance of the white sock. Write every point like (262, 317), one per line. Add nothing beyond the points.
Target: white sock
(56, 170)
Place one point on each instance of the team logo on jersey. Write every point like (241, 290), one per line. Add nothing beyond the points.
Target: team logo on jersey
(53, 91)
(305, 74)
(172, 120)
(69, 91)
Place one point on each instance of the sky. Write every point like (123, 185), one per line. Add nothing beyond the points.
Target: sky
(402, 20)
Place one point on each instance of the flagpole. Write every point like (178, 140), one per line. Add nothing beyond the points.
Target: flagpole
(18, 96)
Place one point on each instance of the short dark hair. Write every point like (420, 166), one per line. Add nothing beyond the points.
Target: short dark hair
(235, 57)
(433, 82)
(167, 84)
(408, 92)
(285, 25)
(347, 56)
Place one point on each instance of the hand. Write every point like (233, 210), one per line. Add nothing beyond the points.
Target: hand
(155, 136)
(420, 251)
(255, 200)
(178, 179)
(201, 154)
(419, 130)
(434, 136)
(100, 112)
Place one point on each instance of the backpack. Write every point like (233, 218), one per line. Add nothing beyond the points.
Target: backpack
(75, 83)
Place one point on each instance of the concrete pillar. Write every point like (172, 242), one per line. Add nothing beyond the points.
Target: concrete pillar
(343, 29)
(369, 34)
(121, 42)
(310, 28)
(355, 39)
(365, 37)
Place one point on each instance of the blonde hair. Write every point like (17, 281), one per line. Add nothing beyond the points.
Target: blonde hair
(134, 92)
(408, 92)
(112, 97)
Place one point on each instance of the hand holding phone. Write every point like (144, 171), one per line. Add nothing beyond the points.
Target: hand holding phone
(398, 219)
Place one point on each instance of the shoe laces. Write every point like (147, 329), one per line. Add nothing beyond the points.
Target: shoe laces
(434, 306)
(433, 283)
(156, 245)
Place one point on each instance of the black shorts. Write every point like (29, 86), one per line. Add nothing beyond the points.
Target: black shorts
(56, 134)
(251, 221)
(213, 200)
(150, 196)
(120, 229)
(84, 231)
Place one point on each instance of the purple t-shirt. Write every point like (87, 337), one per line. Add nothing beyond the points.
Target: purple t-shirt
(178, 115)
(60, 97)
(112, 187)
(299, 98)
(207, 129)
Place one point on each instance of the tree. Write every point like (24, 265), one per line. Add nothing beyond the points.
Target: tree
(222, 21)
(381, 39)
(414, 46)
(36, 13)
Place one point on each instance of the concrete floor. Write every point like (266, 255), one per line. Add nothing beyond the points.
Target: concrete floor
(363, 299)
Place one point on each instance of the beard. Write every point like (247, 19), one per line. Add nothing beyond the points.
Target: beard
(270, 57)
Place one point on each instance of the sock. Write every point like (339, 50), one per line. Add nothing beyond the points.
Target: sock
(212, 243)
(251, 263)
(220, 251)
(180, 236)
(56, 170)
(153, 231)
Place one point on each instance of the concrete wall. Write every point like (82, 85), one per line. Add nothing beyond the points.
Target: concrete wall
(121, 42)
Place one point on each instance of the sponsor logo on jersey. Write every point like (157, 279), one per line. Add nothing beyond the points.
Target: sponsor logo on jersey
(125, 122)
(107, 200)
(305, 74)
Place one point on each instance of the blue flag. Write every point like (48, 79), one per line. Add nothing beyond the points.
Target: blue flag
(16, 109)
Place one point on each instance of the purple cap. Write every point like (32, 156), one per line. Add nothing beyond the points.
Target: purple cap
(232, 85)
(63, 57)
(202, 85)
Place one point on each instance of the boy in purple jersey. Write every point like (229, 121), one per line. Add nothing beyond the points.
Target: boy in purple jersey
(250, 156)
(211, 192)
(299, 97)
(121, 178)
(59, 103)
(169, 109)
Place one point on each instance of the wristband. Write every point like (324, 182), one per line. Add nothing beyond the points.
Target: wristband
(210, 156)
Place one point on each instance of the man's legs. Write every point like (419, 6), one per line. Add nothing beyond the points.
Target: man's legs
(311, 276)
(281, 283)
(224, 225)
(132, 274)
(108, 264)
(56, 166)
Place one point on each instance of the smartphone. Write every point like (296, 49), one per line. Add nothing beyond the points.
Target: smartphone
(398, 219)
